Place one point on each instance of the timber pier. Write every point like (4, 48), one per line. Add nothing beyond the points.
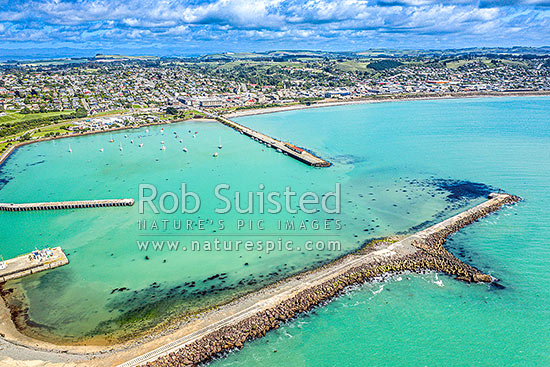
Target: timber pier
(28, 264)
(293, 151)
(56, 205)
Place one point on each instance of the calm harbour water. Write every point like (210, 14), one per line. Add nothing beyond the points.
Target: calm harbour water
(394, 161)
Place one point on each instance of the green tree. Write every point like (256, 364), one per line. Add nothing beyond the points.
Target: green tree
(171, 111)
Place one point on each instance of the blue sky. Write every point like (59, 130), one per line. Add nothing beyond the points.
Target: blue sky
(205, 26)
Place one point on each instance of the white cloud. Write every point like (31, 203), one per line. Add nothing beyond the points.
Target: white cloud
(156, 21)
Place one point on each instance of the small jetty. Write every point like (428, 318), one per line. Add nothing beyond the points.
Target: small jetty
(293, 151)
(57, 205)
(32, 263)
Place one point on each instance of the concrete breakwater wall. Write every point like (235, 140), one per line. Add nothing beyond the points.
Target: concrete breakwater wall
(289, 149)
(419, 252)
(22, 266)
(11, 207)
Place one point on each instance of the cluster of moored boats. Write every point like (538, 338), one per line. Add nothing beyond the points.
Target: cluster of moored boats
(162, 144)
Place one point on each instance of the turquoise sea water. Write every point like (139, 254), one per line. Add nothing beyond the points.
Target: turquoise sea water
(394, 162)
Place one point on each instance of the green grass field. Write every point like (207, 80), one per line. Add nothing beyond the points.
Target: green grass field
(56, 128)
(113, 112)
(353, 65)
(17, 117)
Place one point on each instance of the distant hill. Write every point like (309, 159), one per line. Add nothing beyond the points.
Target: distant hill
(384, 64)
(100, 57)
(456, 52)
(282, 55)
(69, 56)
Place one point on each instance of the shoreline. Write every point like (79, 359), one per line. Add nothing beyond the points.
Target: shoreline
(265, 110)
(98, 350)
(416, 253)
(253, 314)
(381, 99)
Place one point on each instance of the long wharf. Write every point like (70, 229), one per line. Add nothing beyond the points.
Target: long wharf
(11, 207)
(291, 150)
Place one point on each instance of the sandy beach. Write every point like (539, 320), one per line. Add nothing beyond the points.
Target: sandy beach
(295, 107)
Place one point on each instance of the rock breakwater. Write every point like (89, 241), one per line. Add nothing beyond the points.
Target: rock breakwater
(416, 253)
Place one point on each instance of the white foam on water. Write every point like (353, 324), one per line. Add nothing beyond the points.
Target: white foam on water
(438, 281)
(378, 290)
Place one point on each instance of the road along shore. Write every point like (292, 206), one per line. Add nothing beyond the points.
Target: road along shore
(416, 253)
(381, 99)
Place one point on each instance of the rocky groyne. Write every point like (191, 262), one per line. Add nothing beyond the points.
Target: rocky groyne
(416, 253)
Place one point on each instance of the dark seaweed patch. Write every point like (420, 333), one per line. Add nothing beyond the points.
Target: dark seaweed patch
(459, 190)
(457, 194)
(119, 290)
(139, 310)
(4, 181)
(35, 163)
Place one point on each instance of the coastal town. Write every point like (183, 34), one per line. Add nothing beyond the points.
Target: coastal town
(51, 98)
(100, 86)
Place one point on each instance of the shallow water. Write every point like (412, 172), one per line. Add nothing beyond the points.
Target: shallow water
(388, 158)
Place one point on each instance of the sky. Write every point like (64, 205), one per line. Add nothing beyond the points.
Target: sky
(192, 27)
